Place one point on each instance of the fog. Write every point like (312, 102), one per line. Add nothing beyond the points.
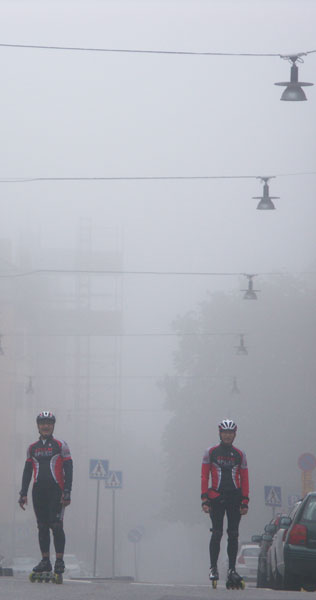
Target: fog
(99, 278)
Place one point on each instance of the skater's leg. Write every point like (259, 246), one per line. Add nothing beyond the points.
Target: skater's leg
(44, 541)
(59, 538)
(217, 512)
(233, 520)
(56, 515)
(44, 538)
(59, 542)
(39, 497)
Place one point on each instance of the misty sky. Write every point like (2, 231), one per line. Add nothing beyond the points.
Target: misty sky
(109, 114)
(91, 114)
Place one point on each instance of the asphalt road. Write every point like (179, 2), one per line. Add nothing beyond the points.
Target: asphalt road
(19, 588)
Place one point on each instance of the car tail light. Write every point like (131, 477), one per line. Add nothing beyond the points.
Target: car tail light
(298, 535)
(241, 559)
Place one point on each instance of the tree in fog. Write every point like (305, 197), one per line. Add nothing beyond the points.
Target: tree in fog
(276, 404)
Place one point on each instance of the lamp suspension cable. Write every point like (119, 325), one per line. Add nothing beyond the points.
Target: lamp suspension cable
(263, 178)
(147, 51)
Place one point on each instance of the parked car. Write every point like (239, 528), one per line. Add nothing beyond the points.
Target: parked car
(292, 556)
(273, 579)
(247, 560)
(265, 541)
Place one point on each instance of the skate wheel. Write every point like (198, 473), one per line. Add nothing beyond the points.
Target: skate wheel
(58, 578)
(32, 577)
(214, 584)
(242, 585)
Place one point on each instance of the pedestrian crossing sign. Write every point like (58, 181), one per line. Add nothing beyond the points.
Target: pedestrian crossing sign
(272, 495)
(99, 468)
(114, 480)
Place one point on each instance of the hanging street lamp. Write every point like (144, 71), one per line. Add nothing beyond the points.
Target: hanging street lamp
(293, 89)
(241, 349)
(250, 293)
(265, 200)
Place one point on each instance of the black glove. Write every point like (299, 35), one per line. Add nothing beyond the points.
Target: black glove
(205, 500)
(66, 496)
(22, 500)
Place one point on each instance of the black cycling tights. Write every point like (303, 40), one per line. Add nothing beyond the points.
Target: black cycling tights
(218, 509)
(44, 537)
(49, 514)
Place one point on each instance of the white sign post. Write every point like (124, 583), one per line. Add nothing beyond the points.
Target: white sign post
(98, 469)
(114, 482)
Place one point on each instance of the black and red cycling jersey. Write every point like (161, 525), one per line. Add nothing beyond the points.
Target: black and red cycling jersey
(50, 461)
(227, 466)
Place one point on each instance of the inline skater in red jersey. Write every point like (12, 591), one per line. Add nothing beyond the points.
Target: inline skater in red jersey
(50, 462)
(226, 493)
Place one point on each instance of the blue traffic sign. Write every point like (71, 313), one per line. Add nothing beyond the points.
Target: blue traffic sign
(114, 479)
(272, 495)
(99, 469)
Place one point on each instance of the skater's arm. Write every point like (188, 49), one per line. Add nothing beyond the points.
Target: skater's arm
(26, 478)
(205, 473)
(244, 480)
(68, 471)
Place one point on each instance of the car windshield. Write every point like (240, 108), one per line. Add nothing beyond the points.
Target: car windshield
(251, 551)
(309, 512)
(294, 510)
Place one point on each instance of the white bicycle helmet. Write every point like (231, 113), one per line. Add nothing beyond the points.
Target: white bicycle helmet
(227, 425)
(46, 415)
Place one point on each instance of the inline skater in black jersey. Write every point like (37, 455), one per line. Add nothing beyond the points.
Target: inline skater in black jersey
(228, 493)
(50, 461)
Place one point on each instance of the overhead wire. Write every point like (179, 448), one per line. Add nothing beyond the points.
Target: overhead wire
(149, 273)
(147, 51)
(147, 177)
(126, 178)
(124, 335)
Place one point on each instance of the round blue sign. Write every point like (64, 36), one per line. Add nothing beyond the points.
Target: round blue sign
(307, 462)
(134, 535)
